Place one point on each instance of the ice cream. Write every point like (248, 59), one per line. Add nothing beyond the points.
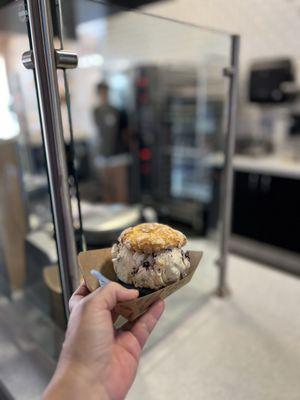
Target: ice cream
(150, 256)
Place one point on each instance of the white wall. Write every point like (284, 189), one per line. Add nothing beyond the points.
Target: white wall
(268, 28)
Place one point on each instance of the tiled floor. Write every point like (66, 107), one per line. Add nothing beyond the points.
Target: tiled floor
(27, 337)
(245, 347)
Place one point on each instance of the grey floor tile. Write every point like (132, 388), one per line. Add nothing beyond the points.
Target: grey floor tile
(244, 347)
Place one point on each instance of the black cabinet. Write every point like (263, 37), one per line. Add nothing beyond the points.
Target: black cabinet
(266, 209)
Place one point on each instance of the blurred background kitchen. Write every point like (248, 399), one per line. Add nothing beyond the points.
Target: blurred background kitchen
(144, 121)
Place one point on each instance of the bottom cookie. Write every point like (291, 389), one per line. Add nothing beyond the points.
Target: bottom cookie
(142, 291)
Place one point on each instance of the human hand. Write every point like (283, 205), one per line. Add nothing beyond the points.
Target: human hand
(97, 361)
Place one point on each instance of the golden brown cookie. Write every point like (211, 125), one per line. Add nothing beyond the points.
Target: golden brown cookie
(151, 238)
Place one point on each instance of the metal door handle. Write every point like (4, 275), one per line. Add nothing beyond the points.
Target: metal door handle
(63, 59)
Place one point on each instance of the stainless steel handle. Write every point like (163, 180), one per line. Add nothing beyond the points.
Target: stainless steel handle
(40, 24)
(63, 59)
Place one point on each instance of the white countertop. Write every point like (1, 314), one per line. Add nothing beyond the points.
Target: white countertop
(272, 165)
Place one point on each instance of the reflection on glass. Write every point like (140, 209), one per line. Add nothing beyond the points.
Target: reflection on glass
(9, 124)
(148, 104)
(31, 315)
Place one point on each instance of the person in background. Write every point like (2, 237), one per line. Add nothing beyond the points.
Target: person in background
(97, 361)
(111, 123)
(113, 135)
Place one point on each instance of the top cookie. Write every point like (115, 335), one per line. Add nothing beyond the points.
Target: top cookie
(151, 238)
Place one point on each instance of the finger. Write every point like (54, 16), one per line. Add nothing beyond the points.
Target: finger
(130, 324)
(146, 323)
(140, 330)
(108, 296)
(79, 293)
(82, 289)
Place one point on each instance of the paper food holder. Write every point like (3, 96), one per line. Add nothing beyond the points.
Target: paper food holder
(100, 260)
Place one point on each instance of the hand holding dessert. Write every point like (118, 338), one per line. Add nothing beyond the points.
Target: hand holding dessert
(98, 362)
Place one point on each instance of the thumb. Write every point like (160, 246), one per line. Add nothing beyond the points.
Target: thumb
(108, 296)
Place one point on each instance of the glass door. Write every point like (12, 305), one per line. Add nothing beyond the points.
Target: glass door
(32, 315)
(134, 133)
(149, 105)
(139, 131)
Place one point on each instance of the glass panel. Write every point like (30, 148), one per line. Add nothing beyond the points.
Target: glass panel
(149, 103)
(31, 314)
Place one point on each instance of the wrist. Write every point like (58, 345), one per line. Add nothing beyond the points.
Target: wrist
(72, 382)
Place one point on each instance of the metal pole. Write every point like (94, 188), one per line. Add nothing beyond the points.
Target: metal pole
(41, 30)
(226, 205)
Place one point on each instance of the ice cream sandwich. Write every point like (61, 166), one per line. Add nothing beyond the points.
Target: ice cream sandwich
(150, 255)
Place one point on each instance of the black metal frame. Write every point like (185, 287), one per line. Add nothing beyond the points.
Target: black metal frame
(227, 182)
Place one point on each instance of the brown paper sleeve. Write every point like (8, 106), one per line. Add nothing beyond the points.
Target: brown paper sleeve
(132, 309)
